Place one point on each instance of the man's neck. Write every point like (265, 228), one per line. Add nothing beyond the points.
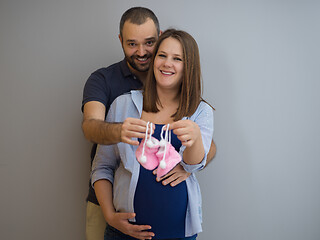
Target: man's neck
(141, 75)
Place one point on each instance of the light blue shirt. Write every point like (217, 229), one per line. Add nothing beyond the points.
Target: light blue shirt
(118, 164)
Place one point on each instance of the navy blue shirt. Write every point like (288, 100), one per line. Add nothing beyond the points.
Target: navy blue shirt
(105, 85)
(162, 207)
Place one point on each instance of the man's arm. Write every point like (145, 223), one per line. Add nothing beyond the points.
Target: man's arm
(211, 153)
(96, 130)
(94, 127)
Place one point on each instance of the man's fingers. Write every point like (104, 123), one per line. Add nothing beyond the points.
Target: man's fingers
(132, 134)
(130, 141)
(133, 131)
(175, 176)
(136, 124)
(177, 181)
(134, 128)
(155, 171)
(161, 178)
(170, 179)
(136, 121)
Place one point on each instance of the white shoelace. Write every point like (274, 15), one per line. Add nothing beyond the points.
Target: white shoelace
(143, 158)
(163, 143)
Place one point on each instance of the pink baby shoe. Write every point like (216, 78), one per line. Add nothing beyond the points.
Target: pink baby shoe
(168, 157)
(146, 152)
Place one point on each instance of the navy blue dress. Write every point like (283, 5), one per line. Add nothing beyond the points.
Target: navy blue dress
(162, 207)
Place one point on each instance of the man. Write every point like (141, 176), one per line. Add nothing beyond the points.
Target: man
(139, 30)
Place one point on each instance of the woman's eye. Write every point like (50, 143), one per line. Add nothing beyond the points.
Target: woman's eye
(178, 59)
(162, 55)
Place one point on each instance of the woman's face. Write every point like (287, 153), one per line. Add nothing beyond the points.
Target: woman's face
(168, 64)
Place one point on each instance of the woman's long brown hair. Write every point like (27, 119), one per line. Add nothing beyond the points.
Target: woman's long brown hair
(190, 89)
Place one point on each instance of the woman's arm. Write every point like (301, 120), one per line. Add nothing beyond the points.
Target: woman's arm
(104, 166)
(196, 135)
(188, 132)
(120, 221)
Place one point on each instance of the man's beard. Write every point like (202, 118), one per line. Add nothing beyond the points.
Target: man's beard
(137, 66)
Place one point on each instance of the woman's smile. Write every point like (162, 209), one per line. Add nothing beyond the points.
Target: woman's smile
(168, 64)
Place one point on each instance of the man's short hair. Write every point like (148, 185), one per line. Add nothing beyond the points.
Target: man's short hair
(138, 15)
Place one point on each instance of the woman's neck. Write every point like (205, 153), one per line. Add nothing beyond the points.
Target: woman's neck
(168, 98)
(169, 101)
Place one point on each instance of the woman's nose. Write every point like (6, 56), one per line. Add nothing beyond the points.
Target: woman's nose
(168, 62)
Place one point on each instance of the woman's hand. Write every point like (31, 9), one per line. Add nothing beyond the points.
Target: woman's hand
(187, 131)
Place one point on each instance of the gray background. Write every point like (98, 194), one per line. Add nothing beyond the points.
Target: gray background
(260, 62)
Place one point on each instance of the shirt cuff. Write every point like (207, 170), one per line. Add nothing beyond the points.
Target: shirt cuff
(193, 167)
(96, 176)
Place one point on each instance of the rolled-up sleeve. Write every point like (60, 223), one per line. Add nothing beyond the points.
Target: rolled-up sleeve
(104, 164)
(204, 118)
(107, 158)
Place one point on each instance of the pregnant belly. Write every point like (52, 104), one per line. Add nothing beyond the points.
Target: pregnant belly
(162, 207)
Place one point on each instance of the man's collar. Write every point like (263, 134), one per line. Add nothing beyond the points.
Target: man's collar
(125, 69)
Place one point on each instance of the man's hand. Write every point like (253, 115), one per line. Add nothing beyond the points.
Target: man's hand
(121, 222)
(133, 128)
(174, 177)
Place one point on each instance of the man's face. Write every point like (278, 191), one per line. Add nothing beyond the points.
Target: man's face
(138, 44)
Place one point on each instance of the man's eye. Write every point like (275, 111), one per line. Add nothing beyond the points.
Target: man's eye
(132, 44)
(150, 43)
